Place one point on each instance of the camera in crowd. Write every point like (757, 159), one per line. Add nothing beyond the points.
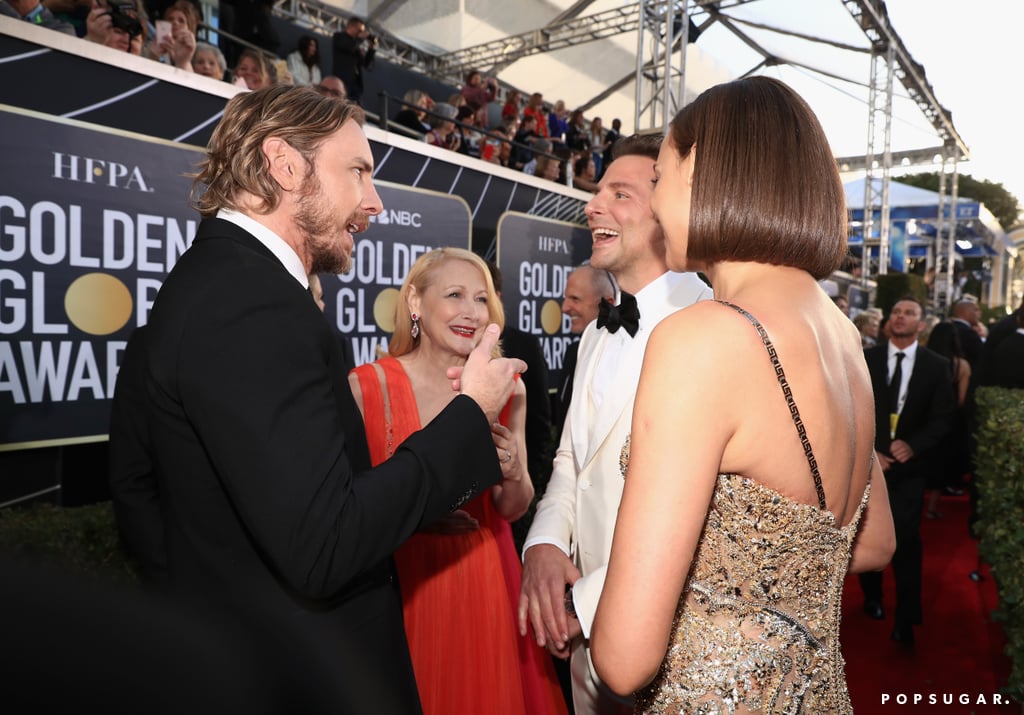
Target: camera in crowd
(124, 17)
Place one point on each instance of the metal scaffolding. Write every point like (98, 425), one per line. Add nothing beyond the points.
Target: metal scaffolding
(664, 27)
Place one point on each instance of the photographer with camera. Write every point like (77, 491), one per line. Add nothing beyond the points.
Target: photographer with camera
(119, 25)
(353, 49)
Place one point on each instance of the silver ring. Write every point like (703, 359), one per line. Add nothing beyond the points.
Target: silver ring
(508, 457)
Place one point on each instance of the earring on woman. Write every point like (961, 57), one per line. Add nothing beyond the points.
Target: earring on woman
(415, 326)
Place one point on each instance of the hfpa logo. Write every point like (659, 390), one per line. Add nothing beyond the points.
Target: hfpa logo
(87, 170)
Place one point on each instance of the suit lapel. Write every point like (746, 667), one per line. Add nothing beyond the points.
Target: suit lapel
(619, 397)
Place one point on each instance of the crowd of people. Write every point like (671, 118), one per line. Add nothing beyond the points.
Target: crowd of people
(689, 551)
(925, 369)
(370, 507)
(527, 136)
(531, 136)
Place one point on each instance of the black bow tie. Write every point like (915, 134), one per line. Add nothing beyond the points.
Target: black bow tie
(624, 315)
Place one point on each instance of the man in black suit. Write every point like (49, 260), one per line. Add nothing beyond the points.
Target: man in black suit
(1002, 329)
(354, 49)
(965, 315)
(1005, 367)
(520, 344)
(914, 405)
(261, 463)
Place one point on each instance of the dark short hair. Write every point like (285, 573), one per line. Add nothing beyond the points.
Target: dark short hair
(766, 186)
(637, 145)
(909, 297)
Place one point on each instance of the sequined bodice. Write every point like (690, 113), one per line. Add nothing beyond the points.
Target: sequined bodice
(757, 626)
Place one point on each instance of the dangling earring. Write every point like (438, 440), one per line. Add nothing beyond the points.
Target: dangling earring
(415, 326)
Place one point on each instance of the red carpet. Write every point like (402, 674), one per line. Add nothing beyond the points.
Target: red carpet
(958, 653)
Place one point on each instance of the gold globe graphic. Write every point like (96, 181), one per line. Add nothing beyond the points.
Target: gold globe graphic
(98, 304)
(551, 317)
(384, 309)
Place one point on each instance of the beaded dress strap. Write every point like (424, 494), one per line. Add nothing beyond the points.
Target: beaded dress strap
(793, 411)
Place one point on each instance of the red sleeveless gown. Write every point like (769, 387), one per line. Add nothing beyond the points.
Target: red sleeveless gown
(460, 592)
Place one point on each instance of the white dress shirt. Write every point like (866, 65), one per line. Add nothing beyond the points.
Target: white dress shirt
(906, 369)
(274, 243)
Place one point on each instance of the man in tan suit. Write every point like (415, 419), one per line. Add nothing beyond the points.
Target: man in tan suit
(566, 551)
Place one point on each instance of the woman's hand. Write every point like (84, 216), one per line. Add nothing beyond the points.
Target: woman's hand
(508, 453)
(181, 49)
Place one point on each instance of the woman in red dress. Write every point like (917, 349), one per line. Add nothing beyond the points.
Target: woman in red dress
(459, 577)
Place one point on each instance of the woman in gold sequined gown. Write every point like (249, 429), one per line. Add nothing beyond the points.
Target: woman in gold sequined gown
(751, 487)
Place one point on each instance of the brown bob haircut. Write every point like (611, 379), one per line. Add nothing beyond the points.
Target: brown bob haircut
(766, 187)
(235, 161)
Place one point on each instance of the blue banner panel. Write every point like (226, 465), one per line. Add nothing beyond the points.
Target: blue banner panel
(91, 221)
(535, 255)
(361, 303)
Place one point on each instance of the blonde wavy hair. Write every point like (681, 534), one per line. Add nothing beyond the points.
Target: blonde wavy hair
(421, 276)
(235, 162)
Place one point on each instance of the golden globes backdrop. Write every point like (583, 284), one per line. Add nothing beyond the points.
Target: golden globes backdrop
(91, 221)
(361, 303)
(535, 255)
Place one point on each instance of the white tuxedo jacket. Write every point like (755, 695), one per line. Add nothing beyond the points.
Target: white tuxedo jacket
(580, 505)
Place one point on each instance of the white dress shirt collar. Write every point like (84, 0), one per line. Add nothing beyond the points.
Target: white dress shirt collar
(274, 243)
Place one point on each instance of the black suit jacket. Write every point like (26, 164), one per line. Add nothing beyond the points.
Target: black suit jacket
(526, 347)
(133, 488)
(1007, 364)
(564, 396)
(927, 411)
(263, 470)
(970, 341)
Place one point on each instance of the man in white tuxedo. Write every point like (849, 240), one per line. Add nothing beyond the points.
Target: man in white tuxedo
(567, 549)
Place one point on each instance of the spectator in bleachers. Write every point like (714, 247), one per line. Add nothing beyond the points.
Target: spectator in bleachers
(496, 149)
(521, 154)
(577, 138)
(33, 11)
(540, 146)
(598, 144)
(479, 92)
(469, 138)
(209, 61)
(584, 173)
(179, 47)
(252, 70)
(354, 50)
(558, 123)
(442, 129)
(613, 135)
(547, 166)
(122, 26)
(304, 62)
(535, 108)
(413, 113)
(511, 108)
(331, 86)
(72, 12)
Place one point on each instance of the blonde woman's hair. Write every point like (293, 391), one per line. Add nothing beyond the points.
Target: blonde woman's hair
(421, 276)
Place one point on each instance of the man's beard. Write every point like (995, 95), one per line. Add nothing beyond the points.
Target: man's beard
(317, 221)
